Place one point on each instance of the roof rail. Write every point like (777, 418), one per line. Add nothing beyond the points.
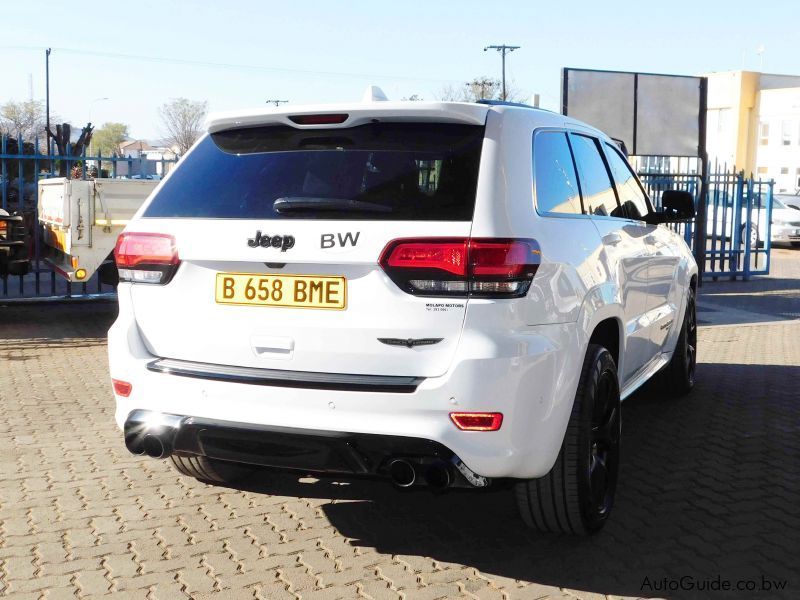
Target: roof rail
(503, 103)
(506, 103)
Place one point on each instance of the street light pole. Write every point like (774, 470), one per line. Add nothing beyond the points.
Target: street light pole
(47, 91)
(503, 49)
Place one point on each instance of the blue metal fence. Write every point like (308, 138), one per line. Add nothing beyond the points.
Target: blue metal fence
(738, 219)
(22, 165)
(738, 212)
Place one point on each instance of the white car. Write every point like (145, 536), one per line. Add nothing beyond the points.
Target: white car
(785, 220)
(440, 294)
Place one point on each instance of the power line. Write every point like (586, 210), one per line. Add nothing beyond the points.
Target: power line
(221, 65)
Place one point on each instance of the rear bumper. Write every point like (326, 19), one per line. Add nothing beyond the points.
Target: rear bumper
(303, 450)
(530, 376)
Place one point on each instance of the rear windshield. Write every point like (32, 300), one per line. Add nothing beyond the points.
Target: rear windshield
(379, 171)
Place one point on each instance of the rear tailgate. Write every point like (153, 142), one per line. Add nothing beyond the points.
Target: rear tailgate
(296, 284)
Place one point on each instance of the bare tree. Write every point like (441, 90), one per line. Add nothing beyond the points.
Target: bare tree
(24, 119)
(480, 88)
(183, 122)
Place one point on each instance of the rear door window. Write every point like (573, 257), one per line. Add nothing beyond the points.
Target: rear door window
(555, 181)
(598, 193)
(379, 171)
(631, 196)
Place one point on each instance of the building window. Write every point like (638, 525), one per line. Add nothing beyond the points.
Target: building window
(763, 134)
(786, 133)
(784, 170)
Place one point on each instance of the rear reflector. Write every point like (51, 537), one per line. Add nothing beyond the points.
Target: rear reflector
(146, 257)
(496, 268)
(328, 119)
(476, 421)
(122, 388)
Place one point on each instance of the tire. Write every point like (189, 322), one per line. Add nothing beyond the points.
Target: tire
(795, 244)
(679, 375)
(577, 495)
(754, 241)
(210, 469)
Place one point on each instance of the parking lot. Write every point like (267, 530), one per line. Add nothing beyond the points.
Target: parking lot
(708, 490)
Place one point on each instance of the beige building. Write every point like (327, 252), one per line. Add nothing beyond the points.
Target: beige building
(754, 125)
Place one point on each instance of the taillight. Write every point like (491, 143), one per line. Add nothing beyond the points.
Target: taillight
(146, 257)
(475, 421)
(483, 267)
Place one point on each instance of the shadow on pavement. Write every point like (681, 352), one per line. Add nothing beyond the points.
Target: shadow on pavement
(54, 324)
(755, 301)
(709, 488)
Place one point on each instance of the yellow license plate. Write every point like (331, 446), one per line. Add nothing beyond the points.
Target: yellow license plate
(295, 291)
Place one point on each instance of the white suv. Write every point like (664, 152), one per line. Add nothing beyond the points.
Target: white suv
(440, 294)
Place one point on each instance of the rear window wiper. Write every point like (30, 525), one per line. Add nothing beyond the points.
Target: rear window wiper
(307, 203)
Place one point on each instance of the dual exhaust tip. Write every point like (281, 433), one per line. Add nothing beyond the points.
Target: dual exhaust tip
(404, 474)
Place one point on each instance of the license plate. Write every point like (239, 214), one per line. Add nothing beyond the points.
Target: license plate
(294, 291)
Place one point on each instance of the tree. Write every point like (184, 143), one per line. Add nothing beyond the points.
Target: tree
(412, 98)
(62, 138)
(107, 139)
(26, 119)
(183, 122)
(480, 88)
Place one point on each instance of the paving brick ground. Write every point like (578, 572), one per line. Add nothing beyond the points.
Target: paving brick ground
(710, 487)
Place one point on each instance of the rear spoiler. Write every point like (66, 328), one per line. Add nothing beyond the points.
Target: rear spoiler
(354, 114)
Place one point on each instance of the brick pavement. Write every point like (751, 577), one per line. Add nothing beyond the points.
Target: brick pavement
(709, 487)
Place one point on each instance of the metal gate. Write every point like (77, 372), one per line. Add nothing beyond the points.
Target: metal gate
(738, 216)
(22, 164)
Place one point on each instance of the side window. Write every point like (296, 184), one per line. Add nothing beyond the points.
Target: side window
(598, 193)
(554, 174)
(631, 196)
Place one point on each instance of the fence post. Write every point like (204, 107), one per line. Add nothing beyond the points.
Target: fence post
(3, 178)
(748, 229)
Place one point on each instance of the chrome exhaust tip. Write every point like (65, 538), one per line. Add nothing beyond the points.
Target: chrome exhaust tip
(156, 446)
(402, 473)
(438, 476)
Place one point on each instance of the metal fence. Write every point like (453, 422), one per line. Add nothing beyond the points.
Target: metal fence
(738, 216)
(738, 212)
(22, 165)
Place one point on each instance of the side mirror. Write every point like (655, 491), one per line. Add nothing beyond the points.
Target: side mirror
(676, 206)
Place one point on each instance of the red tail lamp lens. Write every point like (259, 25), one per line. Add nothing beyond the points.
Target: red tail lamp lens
(477, 421)
(329, 119)
(122, 388)
(448, 256)
(134, 249)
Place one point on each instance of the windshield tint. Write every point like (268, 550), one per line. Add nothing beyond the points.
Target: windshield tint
(380, 171)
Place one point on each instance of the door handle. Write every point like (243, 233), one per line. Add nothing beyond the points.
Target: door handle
(612, 239)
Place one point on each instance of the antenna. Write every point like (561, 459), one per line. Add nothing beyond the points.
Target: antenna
(276, 102)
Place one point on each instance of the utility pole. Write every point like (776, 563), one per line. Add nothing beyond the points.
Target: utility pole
(503, 49)
(47, 92)
(276, 102)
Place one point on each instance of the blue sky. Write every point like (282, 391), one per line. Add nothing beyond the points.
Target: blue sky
(315, 51)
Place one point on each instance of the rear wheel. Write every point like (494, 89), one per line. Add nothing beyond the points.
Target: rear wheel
(577, 495)
(678, 376)
(210, 469)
